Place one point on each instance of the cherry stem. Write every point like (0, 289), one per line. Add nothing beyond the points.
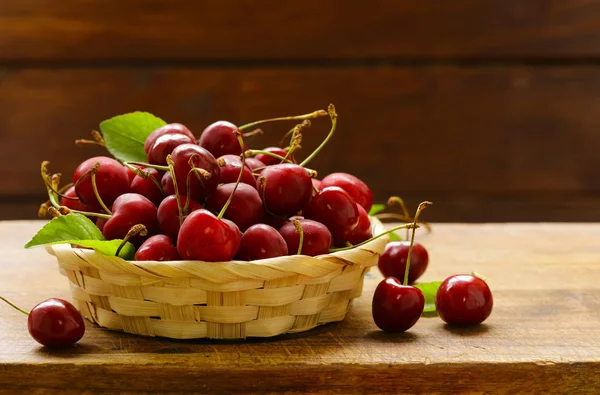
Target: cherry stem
(145, 174)
(254, 152)
(479, 276)
(171, 167)
(157, 167)
(95, 168)
(13, 305)
(84, 142)
(402, 218)
(238, 135)
(312, 115)
(404, 226)
(299, 229)
(296, 139)
(136, 230)
(421, 207)
(333, 115)
(255, 132)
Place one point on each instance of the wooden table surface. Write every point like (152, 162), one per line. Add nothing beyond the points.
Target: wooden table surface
(543, 334)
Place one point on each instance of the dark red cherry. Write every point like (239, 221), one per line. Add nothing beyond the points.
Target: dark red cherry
(147, 187)
(168, 214)
(464, 299)
(236, 231)
(392, 262)
(130, 173)
(287, 190)
(172, 128)
(55, 323)
(316, 184)
(317, 238)
(219, 139)
(356, 188)
(203, 236)
(202, 160)
(254, 163)
(245, 209)
(128, 210)
(261, 241)
(157, 248)
(167, 185)
(335, 208)
(362, 231)
(165, 144)
(396, 307)
(270, 160)
(76, 204)
(230, 170)
(112, 181)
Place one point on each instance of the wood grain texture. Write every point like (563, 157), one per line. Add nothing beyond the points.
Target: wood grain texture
(233, 30)
(543, 335)
(488, 142)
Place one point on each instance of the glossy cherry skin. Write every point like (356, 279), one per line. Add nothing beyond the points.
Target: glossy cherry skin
(392, 262)
(396, 307)
(202, 160)
(287, 190)
(235, 230)
(112, 181)
(131, 209)
(261, 241)
(167, 185)
(172, 128)
(362, 231)
(245, 209)
(157, 248)
(463, 299)
(219, 139)
(203, 236)
(164, 145)
(76, 204)
(316, 184)
(270, 160)
(317, 238)
(334, 207)
(230, 170)
(55, 323)
(254, 163)
(148, 188)
(355, 187)
(168, 214)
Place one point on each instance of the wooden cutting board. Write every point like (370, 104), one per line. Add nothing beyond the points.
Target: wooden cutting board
(543, 334)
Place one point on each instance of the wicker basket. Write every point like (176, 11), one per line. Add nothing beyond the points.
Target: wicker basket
(217, 300)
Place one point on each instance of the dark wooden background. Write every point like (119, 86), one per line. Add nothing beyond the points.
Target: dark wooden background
(490, 109)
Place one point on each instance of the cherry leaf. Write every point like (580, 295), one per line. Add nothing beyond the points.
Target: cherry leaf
(394, 237)
(429, 291)
(125, 134)
(376, 209)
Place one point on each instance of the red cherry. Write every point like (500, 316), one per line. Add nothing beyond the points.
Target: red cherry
(219, 139)
(245, 209)
(316, 184)
(288, 189)
(167, 184)
(230, 171)
(168, 214)
(202, 160)
(362, 231)
(334, 207)
(112, 181)
(157, 248)
(147, 187)
(316, 241)
(128, 210)
(55, 323)
(203, 236)
(392, 262)
(76, 204)
(130, 172)
(270, 160)
(165, 144)
(253, 164)
(236, 231)
(396, 307)
(100, 222)
(356, 188)
(261, 241)
(463, 299)
(172, 128)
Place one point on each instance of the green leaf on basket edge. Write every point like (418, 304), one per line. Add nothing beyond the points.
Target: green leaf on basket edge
(78, 229)
(125, 134)
(429, 291)
(394, 237)
(376, 209)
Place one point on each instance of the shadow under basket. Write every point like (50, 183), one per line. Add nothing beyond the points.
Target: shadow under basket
(217, 300)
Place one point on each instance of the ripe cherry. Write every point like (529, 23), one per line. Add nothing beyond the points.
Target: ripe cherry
(167, 184)
(396, 307)
(392, 262)
(334, 207)
(74, 203)
(254, 164)
(270, 160)
(203, 236)
(172, 128)
(112, 181)
(285, 189)
(464, 299)
(147, 186)
(219, 139)
(362, 231)
(356, 188)
(157, 248)
(316, 237)
(128, 210)
(316, 184)
(230, 170)
(165, 144)
(261, 241)
(202, 159)
(168, 214)
(246, 207)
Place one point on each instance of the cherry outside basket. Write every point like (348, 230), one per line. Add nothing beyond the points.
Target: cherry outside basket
(217, 300)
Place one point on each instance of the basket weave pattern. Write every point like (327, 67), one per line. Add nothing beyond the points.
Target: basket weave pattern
(218, 300)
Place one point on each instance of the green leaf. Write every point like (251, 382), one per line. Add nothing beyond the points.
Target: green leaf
(377, 208)
(429, 291)
(78, 229)
(125, 134)
(394, 237)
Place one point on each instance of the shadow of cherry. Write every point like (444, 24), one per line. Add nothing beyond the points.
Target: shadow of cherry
(387, 337)
(472, 330)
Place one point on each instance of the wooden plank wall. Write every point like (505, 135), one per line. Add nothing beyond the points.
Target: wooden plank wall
(489, 109)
